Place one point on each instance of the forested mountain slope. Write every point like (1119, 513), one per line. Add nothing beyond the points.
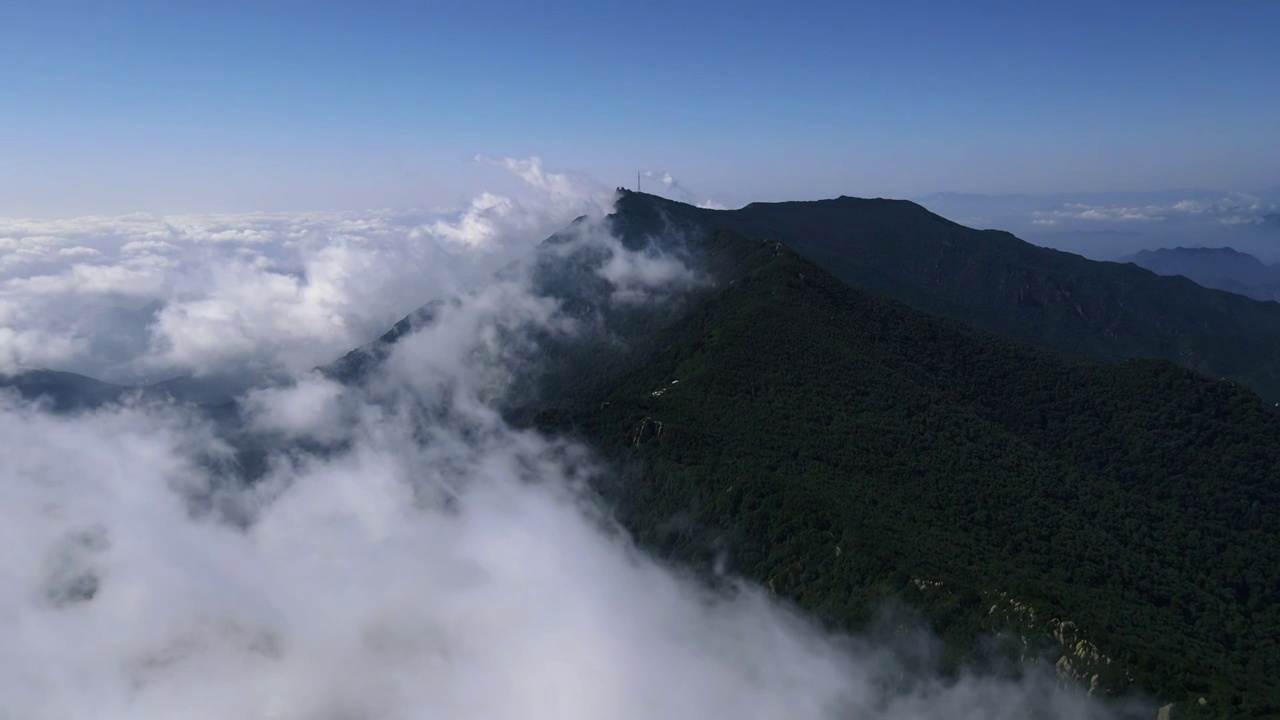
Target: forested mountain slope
(994, 281)
(841, 448)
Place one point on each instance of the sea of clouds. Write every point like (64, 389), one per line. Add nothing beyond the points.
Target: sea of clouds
(141, 298)
(1113, 225)
(403, 551)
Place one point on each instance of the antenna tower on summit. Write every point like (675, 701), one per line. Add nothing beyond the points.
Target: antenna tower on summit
(637, 181)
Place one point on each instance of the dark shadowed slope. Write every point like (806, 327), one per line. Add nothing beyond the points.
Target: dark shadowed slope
(992, 280)
(839, 448)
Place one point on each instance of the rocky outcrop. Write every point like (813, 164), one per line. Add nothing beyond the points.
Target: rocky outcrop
(1079, 662)
(645, 430)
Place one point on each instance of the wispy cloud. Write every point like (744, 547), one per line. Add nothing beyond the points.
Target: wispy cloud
(667, 185)
(1188, 208)
(1099, 213)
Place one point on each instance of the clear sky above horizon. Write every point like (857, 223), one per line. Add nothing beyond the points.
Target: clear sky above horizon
(272, 105)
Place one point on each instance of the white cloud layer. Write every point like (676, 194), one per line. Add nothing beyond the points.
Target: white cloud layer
(264, 293)
(359, 591)
(1238, 205)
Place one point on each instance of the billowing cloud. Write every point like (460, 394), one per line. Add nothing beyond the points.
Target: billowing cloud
(561, 186)
(405, 554)
(634, 275)
(460, 577)
(261, 293)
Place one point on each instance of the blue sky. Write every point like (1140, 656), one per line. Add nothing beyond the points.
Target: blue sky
(168, 107)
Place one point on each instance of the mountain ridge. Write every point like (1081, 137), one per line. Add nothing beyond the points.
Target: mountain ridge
(1221, 268)
(994, 281)
(989, 279)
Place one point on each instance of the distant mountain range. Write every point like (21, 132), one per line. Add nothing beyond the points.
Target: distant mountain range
(1220, 268)
(871, 403)
(68, 391)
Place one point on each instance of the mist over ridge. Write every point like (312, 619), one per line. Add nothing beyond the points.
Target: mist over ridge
(405, 552)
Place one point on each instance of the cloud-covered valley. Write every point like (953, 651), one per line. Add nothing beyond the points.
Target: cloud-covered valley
(398, 550)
